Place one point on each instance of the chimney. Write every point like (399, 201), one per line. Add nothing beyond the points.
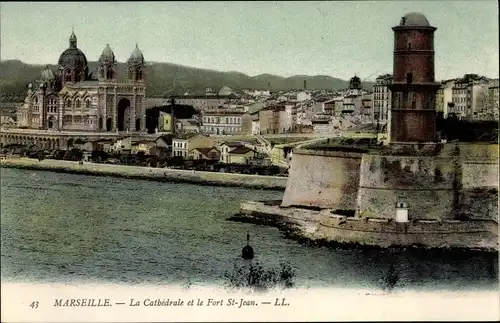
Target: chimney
(305, 84)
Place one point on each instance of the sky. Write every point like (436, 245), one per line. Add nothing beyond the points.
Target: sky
(336, 38)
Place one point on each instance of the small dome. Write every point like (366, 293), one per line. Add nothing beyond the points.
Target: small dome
(136, 57)
(414, 19)
(107, 54)
(47, 74)
(225, 91)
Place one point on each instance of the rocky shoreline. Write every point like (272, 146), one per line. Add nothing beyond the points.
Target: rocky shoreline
(152, 174)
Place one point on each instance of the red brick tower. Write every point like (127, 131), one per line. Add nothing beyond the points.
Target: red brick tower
(413, 109)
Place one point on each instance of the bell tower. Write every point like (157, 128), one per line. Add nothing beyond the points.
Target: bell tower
(413, 108)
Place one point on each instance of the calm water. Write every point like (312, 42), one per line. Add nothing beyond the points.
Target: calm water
(70, 228)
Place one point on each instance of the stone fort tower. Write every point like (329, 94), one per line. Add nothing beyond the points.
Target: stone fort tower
(413, 109)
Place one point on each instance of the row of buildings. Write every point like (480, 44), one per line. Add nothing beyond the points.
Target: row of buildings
(471, 97)
(189, 146)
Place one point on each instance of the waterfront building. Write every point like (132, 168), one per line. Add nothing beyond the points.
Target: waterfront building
(183, 143)
(141, 146)
(444, 95)
(382, 98)
(493, 109)
(277, 118)
(226, 147)
(226, 121)
(240, 155)
(366, 111)
(187, 125)
(470, 97)
(74, 98)
(205, 153)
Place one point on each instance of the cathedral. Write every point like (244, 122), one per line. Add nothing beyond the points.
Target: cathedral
(74, 99)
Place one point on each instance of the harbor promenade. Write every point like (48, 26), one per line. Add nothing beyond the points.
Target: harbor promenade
(150, 173)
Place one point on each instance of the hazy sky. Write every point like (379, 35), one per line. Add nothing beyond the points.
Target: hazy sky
(284, 38)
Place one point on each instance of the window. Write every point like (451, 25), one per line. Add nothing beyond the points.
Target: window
(78, 103)
(87, 103)
(409, 78)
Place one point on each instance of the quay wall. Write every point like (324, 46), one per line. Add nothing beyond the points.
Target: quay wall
(324, 225)
(149, 173)
(428, 233)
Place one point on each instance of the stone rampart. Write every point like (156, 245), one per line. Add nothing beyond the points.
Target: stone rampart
(428, 185)
(325, 179)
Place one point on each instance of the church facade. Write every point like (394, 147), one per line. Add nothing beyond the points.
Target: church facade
(73, 99)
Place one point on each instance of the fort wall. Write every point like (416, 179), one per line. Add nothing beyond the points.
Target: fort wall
(324, 179)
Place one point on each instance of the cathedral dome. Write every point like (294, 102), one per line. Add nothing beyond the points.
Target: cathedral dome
(414, 19)
(72, 57)
(136, 57)
(107, 54)
(47, 74)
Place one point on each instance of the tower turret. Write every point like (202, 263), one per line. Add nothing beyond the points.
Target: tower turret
(136, 65)
(107, 64)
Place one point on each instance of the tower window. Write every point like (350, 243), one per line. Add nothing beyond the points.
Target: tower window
(409, 78)
(409, 46)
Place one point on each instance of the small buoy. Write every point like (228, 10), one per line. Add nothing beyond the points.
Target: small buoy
(247, 252)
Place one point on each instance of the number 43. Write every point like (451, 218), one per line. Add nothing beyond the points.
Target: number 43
(34, 304)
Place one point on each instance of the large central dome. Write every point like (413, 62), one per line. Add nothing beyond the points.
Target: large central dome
(72, 57)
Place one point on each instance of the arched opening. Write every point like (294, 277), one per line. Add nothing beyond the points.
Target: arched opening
(52, 122)
(100, 123)
(137, 124)
(67, 76)
(109, 124)
(123, 115)
(70, 143)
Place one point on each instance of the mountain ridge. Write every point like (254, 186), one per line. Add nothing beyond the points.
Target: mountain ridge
(167, 78)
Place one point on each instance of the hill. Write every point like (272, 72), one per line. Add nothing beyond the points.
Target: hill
(166, 78)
